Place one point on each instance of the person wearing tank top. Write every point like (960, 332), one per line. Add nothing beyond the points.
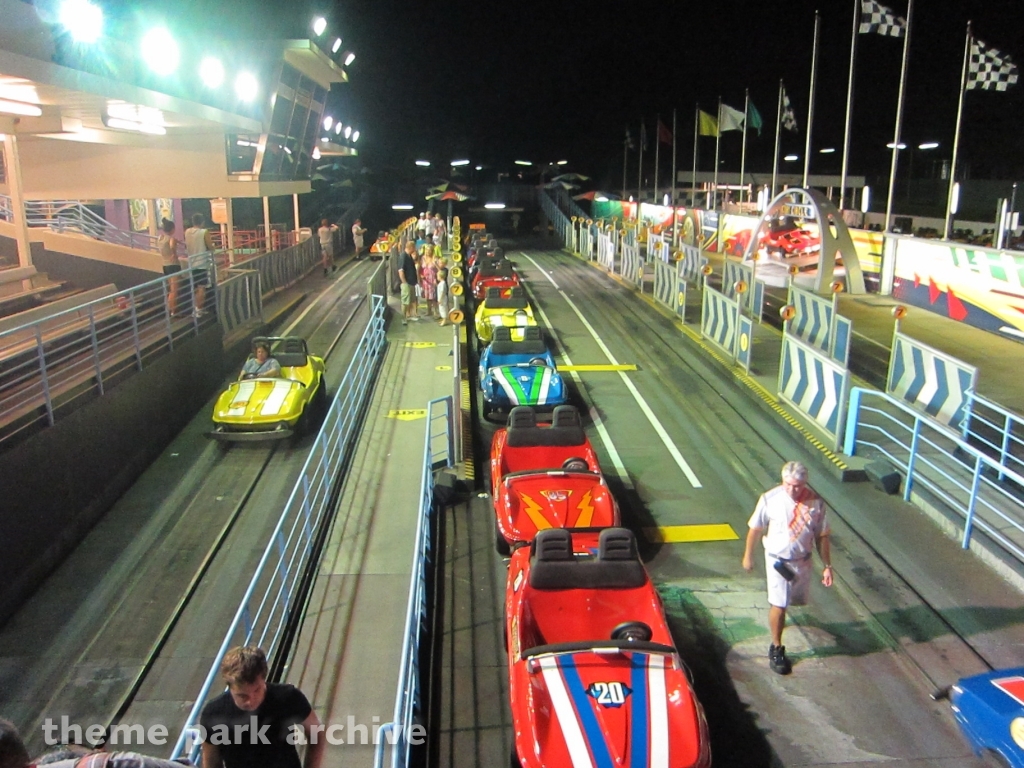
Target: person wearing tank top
(167, 244)
(198, 241)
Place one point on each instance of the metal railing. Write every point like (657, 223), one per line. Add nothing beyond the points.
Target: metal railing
(71, 216)
(76, 351)
(558, 219)
(279, 269)
(939, 460)
(272, 595)
(437, 453)
(377, 283)
(999, 431)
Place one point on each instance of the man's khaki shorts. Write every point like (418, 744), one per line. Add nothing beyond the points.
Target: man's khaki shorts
(406, 294)
(782, 593)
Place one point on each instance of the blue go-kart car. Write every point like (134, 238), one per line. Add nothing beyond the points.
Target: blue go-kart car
(519, 372)
(990, 711)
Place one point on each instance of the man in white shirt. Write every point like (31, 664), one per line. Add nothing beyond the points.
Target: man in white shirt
(326, 235)
(199, 243)
(357, 236)
(790, 520)
(421, 227)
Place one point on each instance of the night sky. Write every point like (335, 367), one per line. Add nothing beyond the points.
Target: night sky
(545, 81)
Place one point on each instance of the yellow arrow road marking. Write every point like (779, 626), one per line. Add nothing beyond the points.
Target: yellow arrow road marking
(420, 344)
(407, 414)
(679, 534)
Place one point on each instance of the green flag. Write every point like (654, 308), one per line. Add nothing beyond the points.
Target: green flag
(754, 118)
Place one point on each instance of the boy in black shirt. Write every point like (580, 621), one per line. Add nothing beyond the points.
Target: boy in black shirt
(248, 726)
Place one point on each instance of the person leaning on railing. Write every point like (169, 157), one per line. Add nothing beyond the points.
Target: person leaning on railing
(199, 243)
(167, 244)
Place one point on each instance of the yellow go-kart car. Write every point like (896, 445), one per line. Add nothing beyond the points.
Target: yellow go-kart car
(502, 308)
(273, 408)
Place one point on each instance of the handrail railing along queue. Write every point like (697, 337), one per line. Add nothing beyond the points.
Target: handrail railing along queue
(437, 453)
(266, 608)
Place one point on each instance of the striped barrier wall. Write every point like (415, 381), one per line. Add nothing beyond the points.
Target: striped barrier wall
(606, 252)
(632, 267)
(239, 297)
(719, 318)
(813, 320)
(842, 335)
(669, 287)
(744, 341)
(692, 263)
(930, 381)
(753, 298)
(815, 385)
(657, 248)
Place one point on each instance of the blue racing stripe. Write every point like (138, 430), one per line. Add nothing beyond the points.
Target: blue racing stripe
(639, 736)
(581, 701)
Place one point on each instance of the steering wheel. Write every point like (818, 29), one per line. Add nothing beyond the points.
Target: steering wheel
(538, 361)
(575, 464)
(633, 632)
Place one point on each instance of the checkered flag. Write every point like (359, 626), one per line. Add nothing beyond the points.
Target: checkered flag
(989, 69)
(876, 18)
(788, 116)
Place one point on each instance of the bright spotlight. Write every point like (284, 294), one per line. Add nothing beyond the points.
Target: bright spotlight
(494, 206)
(603, 199)
(337, 45)
(348, 131)
(338, 128)
(827, 150)
(791, 158)
(423, 163)
(328, 122)
(319, 25)
(892, 145)
(160, 51)
(401, 207)
(246, 86)
(355, 136)
(316, 153)
(562, 162)
(523, 162)
(460, 162)
(349, 59)
(479, 167)
(954, 204)
(928, 145)
(82, 19)
(211, 71)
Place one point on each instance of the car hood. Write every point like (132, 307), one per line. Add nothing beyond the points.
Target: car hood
(525, 384)
(534, 503)
(612, 709)
(257, 399)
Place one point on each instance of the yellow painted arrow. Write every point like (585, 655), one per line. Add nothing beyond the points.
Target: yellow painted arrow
(623, 367)
(679, 534)
(420, 344)
(407, 414)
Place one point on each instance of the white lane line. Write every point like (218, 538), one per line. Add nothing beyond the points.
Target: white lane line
(595, 417)
(538, 266)
(673, 451)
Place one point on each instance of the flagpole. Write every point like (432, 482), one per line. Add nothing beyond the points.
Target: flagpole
(810, 100)
(657, 147)
(718, 143)
(947, 227)
(696, 133)
(743, 151)
(640, 173)
(625, 158)
(674, 218)
(778, 136)
(899, 118)
(849, 105)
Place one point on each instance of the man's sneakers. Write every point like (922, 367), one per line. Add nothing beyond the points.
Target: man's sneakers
(777, 660)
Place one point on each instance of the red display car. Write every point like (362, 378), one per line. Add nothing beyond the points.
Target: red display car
(594, 679)
(526, 445)
(493, 274)
(790, 242)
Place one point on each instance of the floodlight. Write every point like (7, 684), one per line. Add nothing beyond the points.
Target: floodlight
(355, 136)
(865, 200)
(319, 25)
(791, 158)
(603, 199)
(892, 145)
(82, 19)
(928, 145)
(160, 51)
(494, 206)
(827, 150)
(19, 108)
(479, 167)
(246, 86)
(401, 207)
(211, 71)
(348, 131)
(423, 163)
(316, 153)
(954, 204)
(328, 122)
(523, 162)
(337, 45)
(460, 162)
(562, 162)
(349, 59)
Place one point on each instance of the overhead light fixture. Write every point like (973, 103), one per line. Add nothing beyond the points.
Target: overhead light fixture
(827, 150)
(460, 162)
(83, 20)
(865, 199)
(319, 25)
(928, 145)
(160, 51)
(791, 158)
(348, 131)
(244, 143)
(246, 86)
(132, 125)
(494, 206)
(523, 162)
(349, 59)
(954, 204)
(328, 122)
(562, 162)
(401, 207)
(479, 168)
(287, 151)
(316, 153)
(337, 45)
(423, 163)
(325, 139)
(892, 145)
(211, 72)
(603, 199)
(19, 108)
(355, 136)
(338, 127)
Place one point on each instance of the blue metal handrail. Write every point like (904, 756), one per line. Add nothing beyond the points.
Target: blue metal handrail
(989, 424)
(72, 216)
(41, 359)
(939, 459)
(438, 452)
(262, 616)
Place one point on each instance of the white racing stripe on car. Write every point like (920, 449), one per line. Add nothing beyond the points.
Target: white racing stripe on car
(272, 405)
(659, 711)
(566, 714)
(242, 397)
(545, 385)
(506, 385)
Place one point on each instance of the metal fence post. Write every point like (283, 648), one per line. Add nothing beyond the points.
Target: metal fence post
(911, 460)
(852, 414)
(135, 330)
(95, 349)
(42, 373)
(969, 523)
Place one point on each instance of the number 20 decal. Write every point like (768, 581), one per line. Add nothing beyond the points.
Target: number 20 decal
(611, 694)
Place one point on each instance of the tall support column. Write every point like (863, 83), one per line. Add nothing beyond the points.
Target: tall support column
(229, 233)
(295, 204)
(266, 223)
(12, 160)
(153, 215)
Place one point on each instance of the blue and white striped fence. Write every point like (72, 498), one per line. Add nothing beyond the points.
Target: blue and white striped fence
(719, 320)
(753, 298)
(669, 286)
(930, 380)
(814, 384)
(658, 248)
(818, 323)
(692, 263)
(632, 266)
(606, 251)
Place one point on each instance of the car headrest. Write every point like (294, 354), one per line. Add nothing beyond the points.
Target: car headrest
(535, 437)
(553, 545)
(495, 268)
(554, 566)
(566, 416)
(511, 302)
(499, 253)
(528, 346)
(616, 544)
(501, 333)
(522, 417)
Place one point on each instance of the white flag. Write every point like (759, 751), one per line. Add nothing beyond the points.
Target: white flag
(788, 116)
(989, 69)
(875, 17)
(730, 119)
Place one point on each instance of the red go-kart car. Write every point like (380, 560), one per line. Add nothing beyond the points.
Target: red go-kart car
(493, 274)
(594, 679)
(526, 445)
(790, 242)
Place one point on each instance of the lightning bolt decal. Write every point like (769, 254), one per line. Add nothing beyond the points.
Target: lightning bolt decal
(533, 511)
(586, 511)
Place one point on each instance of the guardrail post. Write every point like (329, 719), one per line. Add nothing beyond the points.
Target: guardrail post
(852, 414)
(42, 373)
(1005, 449)
(912, 459)
(135, 330)
(95, 348)
(969, 523)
